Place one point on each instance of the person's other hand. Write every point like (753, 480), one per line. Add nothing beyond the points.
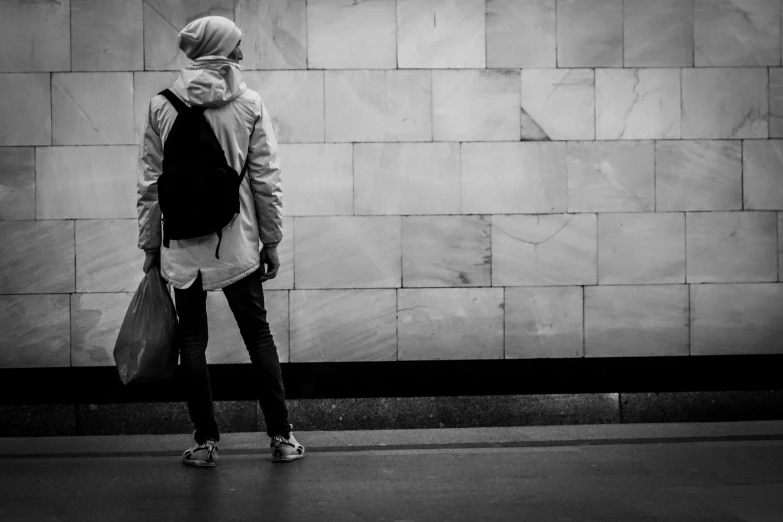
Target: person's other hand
(269, 262)
(151, 259)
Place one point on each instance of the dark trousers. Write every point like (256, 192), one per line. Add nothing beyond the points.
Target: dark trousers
(246, 300)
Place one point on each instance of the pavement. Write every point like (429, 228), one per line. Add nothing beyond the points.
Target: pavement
(716, 472)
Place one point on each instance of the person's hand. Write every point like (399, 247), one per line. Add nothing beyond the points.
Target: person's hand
(151, 259)
(269, 262)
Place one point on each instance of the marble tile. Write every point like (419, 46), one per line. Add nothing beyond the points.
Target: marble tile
(343, 325)
(736, 319)
(558, 104)
(775, 102)
(35, 36)
(637, 104)
(36, 331)
(636, 321)
(736, 32)
(589, 33)
(225, 342)
(698, 175)
(611, 176)
(107, 35)
(378, 105)
(343, 34)
(25, 109)
(641, 248)
(406, 178)
(145, 86)
(96, 320)
(295, 100)
(731, 247)
(658, 34)
(36, 257)
(544, 322)
(762, 168)
(446, 251)
(521, 33)
(92, 109)
(435, 34)
(318, 179)
(475, 105)
(780, 246)
(509, 178)
(17, 183)
(97, 182)
(163, 20)
(347, 252)
(274, 33)
(107, 255)
(553, 249)
(450, 323)
(722, 103)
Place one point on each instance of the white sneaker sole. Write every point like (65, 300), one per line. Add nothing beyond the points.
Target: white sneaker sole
(288, 458)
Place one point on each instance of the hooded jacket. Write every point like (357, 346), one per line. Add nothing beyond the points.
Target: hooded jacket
(244, 129)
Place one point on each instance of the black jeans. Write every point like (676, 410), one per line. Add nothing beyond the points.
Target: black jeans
(246, 300)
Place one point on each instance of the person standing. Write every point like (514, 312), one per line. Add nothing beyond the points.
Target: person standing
(237, 258)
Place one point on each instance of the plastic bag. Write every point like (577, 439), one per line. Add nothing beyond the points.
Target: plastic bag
(145, 349)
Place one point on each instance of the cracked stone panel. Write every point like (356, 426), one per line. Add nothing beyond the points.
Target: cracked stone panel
(318, 179)
(343, 325)
(475, 105)
(285, 253)
(107, 35)
(545, 250)
(108, 258)
(95, 323)
(373, 105)
(35, 36)
(637, 104)
(93, 182)
(763, 174)
(146, 85)
(450, 323)
(737, 32)
(736, 319)
(521, 34)
(658, 34)
(347, 252)
(641, 248)
(25, 109)
(446, 251)
(344, 34)
(274, 34)
(724, 103)
(17, 183)
(164, 19)
(775, 102)
(513, 178)
(698, 175)
(544, 322)
(636, 321)
(731, 247)
(36, 257)
(433, 34)
(558, 104)
(611, 176)
(295, 100)
(36, 331)
(590, 33)
(225, 342)
(92, 109)
(406, 178)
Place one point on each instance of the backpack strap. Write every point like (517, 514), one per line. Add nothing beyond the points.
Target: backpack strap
(175, 101)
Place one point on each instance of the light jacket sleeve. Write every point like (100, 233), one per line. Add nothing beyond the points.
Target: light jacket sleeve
(263, 172)
(150, 167)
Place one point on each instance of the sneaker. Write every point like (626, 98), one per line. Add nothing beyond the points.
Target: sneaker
(201, 455)
(286, 449)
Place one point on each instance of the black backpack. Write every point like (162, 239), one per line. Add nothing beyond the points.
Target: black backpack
(198, 190)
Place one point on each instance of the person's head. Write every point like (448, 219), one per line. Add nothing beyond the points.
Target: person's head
(211, 36)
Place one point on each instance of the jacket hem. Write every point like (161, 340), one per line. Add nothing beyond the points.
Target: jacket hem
(214, 286)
